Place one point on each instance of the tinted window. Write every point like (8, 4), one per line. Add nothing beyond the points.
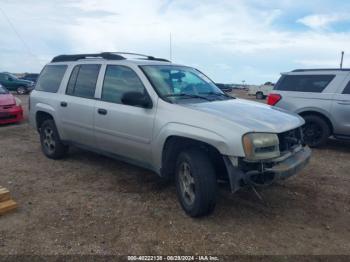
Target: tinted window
(119, 80)
(83, 81)
(304, 83)
(347, 89)
(51, 78)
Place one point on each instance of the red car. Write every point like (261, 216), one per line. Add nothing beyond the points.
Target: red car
(10, 107)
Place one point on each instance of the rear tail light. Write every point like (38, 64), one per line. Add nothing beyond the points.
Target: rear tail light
(273, 99)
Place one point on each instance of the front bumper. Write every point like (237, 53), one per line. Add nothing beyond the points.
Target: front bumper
(291, 165)
(11, 115)
(264, 173)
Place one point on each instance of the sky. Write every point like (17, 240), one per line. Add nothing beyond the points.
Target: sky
(229, 40)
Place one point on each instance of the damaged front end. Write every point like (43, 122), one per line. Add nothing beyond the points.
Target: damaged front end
(293, 156)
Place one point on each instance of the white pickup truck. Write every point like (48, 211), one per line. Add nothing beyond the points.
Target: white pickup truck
(262, 91)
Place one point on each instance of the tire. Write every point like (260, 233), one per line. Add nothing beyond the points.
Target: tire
(316, 130)
(51, 144)
(200, 180)
(259, 95)
(21, 90)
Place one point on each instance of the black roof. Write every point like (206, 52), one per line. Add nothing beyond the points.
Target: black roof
(104, 55)
(321, 69)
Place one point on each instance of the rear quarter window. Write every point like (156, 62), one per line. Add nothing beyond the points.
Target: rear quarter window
(304, 83)
(50, 78)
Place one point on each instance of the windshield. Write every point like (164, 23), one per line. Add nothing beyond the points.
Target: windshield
(174, 83)
(3, 90)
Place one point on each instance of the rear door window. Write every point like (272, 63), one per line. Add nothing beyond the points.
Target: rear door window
(50, 78)
(347, 89)
(82, 81)
(304, 83)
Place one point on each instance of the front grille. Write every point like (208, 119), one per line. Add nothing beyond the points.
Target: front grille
(290, 139)
(6, 107)
(6, 116)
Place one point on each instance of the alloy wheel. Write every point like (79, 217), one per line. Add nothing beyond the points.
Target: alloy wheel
(187, 184)
(21, 90)
(49, 140)
(312, 133)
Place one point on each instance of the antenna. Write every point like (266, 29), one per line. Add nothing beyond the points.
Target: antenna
(341, 59)
(24, 43)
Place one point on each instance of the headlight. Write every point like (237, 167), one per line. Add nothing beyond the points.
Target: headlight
(259, 146)
(18, 101)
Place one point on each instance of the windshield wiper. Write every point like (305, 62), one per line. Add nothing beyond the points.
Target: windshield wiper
(188, 96)
(218, 94)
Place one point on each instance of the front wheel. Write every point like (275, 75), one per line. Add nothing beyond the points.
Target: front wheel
(196, 184)
(21, 90)
(51, 143)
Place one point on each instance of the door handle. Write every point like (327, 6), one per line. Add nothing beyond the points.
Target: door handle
(102, 111)
(64, 104)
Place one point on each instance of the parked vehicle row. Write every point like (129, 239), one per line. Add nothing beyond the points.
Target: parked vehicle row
(321, 97)
(166, 117)
(12, 83)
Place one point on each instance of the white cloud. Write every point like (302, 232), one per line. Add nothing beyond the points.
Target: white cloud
(322, 21)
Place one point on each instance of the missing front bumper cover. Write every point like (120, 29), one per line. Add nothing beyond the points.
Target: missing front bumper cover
(268, 172)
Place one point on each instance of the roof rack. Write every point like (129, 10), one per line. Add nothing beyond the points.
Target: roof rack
(104, 55)
(145, 57)
(321, 69)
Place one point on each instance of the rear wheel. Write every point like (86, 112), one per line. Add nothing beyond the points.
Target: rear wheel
(316, 130)
(21, 90)
(259, 95)
(51, 143)
(196, 184)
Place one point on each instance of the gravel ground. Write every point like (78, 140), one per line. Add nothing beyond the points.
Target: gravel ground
(90, 204)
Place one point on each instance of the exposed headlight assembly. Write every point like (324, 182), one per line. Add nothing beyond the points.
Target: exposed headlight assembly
(260, 146)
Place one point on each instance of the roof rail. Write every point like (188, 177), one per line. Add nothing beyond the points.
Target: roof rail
(104, 55)
(146, 57)
(321, 69)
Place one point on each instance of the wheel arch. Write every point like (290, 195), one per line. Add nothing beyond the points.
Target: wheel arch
(319, 114)
(175, 144)
(41, 117)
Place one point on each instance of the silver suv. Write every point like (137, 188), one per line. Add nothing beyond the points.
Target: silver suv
(168, 118)
(321, 97)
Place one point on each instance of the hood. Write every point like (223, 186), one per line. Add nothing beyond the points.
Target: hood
(256, 117)
(7, 99)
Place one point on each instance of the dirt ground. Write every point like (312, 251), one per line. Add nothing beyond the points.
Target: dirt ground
(90, 204)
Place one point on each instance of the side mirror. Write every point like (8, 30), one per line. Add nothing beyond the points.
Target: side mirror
(137, 99)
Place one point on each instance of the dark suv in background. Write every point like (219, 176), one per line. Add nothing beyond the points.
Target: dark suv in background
(12, 83)
(30, 77)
